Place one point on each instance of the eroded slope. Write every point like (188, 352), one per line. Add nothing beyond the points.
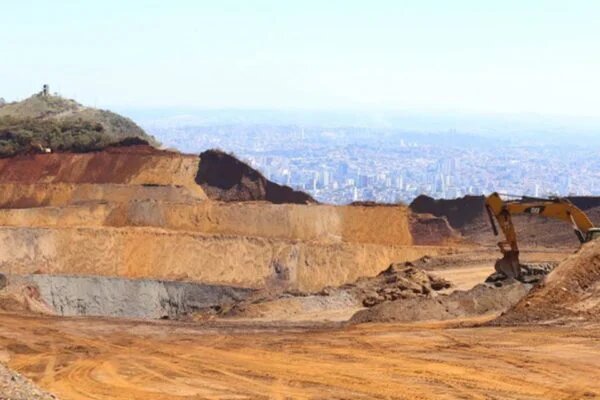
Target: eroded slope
(571, 291)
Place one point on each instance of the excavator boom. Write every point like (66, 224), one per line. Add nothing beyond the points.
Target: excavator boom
(557, 208)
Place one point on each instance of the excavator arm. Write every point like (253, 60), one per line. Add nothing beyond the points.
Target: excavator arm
(557, 208)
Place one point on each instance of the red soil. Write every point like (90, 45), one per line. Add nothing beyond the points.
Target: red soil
(112, 165)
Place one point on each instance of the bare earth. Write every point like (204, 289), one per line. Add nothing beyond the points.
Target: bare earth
(80, 358)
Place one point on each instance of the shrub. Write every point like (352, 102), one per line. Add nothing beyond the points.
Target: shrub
(21, 135)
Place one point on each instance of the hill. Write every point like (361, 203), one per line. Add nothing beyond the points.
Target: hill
(46, 121)
(223, 177)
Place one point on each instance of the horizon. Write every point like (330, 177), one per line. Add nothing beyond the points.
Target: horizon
(437, 122)
(463, 58)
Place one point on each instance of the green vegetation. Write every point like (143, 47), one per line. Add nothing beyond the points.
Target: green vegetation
(60, 124)
(21, 135)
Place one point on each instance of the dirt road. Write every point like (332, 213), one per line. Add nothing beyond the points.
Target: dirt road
(111, 359)
(469, 268)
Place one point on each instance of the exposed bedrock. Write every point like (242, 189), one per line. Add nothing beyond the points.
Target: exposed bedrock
(143, 298)
(141, 252)
(324, 223)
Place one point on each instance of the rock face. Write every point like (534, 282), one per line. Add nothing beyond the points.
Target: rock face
(117, 297)
(131, 165)
(225, 178)
(144, 252)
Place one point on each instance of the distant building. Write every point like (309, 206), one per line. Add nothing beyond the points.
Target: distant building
(343, 168)
(326, 178)
(363, 181)
(45, 90)
(314, 184)
(400, 182)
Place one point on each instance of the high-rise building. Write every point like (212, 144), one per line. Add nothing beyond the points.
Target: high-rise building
(363, 181)
(315, 181)
(326, 179)
(400, 182)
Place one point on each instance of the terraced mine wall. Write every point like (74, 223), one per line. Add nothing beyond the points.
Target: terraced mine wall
(33, 195)
(324, 223)
(143, 298)
(142, 252)
(135, 165)
(331, 224)
(138, 212)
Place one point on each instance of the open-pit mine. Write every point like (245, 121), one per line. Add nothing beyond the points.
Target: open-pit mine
(136, 273)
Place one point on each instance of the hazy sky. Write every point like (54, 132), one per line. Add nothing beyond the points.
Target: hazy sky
(498, 56)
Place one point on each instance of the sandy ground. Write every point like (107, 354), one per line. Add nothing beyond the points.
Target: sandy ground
(471, 267)
(108, 359)
(299, 358)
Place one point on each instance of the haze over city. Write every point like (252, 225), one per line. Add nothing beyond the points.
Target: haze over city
(316, 95)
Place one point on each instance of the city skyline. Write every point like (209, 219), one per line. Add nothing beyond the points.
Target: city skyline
(342, 165)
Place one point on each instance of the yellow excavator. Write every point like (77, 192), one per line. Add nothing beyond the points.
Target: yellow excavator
(556, 207)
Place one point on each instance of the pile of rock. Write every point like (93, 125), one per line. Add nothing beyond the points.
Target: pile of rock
(530, 274)
(14, 386)
(398, 281)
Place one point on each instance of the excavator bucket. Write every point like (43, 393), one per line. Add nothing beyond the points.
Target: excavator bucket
(509, 265)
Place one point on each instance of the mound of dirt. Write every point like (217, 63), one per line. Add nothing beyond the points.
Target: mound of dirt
(337, 306)
(480, 300)
(427, 229)
(460, 213)
(571, 291)
(398, 281)
(223, 177)
(388, 304)
(585, 202)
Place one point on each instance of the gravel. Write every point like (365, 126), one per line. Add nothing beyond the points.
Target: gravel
(14, 386)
